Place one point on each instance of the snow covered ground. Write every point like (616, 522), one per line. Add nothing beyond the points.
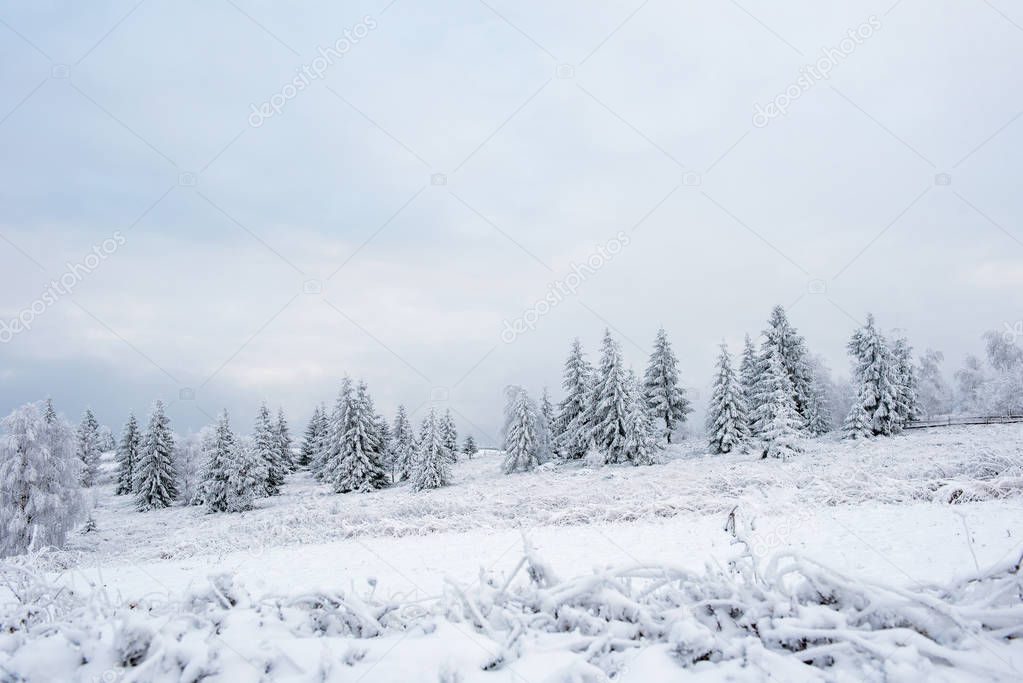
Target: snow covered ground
(921, 509)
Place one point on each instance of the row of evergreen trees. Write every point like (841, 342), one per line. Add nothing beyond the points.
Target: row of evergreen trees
(777, 400)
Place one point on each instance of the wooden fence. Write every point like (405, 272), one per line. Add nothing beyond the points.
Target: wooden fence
(955, 420)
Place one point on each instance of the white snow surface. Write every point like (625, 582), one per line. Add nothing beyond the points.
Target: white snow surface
(423, 573)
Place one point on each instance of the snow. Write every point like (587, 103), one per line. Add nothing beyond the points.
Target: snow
(876, 515)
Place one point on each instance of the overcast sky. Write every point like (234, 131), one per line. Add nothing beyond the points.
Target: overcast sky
(457, 159)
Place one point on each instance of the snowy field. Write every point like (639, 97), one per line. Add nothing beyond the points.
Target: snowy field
(423, 582)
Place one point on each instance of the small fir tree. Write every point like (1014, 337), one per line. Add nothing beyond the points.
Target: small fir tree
(87, 438)
(524, 432)
(266, 447)
(727, 421)
(470, 448)
(283, 434)
(665, 397)
(641, 437)
(404, 445)
(573, 432)
(777, 413)
(610, 402)
(311, 439)
(360, 467)
(128, 456)
(155, 477)
(450, 435)
(432, 467)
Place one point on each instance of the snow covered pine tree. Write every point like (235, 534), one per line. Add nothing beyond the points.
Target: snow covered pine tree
(450, 435)
(470, 448)
(573, 433)
(779, 423)
(432, 466)
(128, 456)
(610, 406)
(727, 421)
(87, 441)
(360, 466)
(283, 434)
(874, 375)
(525, 432)
(641, 433)
(404, 445)
(311, 439)
(267, 448)
(155, 478)
(665, 398)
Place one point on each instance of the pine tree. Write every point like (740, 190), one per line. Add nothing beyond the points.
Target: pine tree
(857, 422)
(155, 477)
(665, 398)
(330, 452)
(525, 432)
(641, 437)
(128, 456)
(311, 440)
(40, 498)
(323, 441)
(404, 445)
(547, 410)
(609, 416)
(248, 476)
(572, 432)
(727, 420)
(214, 490)
(791, 348)
(87, 440)
(470, 449)
(283, 434)
(819, 410)
(749, 378)
(874, 376)
(450, 435)
(360, 466)
(386, 438)
(267, 448)
(777, 412)
(432, 468)
(908, 405)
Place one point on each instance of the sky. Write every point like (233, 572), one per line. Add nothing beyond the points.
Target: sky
(226, 202)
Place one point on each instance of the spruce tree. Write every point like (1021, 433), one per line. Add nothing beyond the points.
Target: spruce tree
(330, 453)
(470, 448)
(780, 336)
(248, 476)
(819, 410)
(874, 375)
(87, 440)
(432, 468)
(857, 422)
(360, 466)
(214, 490)
(311, 439)
(749, 378)
(450, 435)
(780, 423)
(283, 434)
(524, 432)
(155, 476)
(609, 412)
(404, 445)
(128, 456)
(727, 420)
(908, 405)
(40, 497)
(266, 447)
(573, 432)
(641, 433)
(547, 410)
(665, 398)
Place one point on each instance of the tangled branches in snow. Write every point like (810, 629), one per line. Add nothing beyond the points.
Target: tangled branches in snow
(788, 613)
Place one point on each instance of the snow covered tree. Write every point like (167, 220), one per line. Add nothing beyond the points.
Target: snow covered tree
(749, 378)
(857, 422)
(791, 348)
(40, 498)
(128, 456)
(874, 376)
(819, 409)
(155, 478)
(573, 433)
(311, 439)
(777, 416)
(526, 440)
(266, 447)
(610, 407)
(665, 398)
(404, 445)
(450, 435)
(641, 433)
(907, 406)
(283, 434)
(106, 440)
(432, 465)
(470, 448)
(330, 453)
(234, 474)
(87, 442)
(547, 410)
(727, 421)
(189, 460)
(360, 466)
(934, 392)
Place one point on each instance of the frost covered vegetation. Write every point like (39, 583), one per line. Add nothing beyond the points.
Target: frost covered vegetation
(752, 620)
